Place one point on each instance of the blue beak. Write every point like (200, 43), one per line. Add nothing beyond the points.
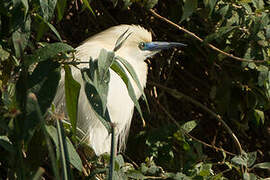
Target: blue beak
(157, 46)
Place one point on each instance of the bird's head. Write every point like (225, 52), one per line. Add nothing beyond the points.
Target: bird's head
(136, 48)
(139, 43)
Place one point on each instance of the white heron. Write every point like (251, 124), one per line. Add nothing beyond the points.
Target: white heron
(135, 50)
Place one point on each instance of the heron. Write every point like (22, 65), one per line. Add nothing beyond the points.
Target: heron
(136, 49)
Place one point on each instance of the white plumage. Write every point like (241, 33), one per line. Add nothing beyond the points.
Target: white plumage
(120, 105)
(135, 50)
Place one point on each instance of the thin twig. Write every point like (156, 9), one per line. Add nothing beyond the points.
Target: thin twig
(179, 95)
(201, 40)
(189, 135)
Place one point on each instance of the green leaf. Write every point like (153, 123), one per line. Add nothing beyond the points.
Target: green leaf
(105, 59)
(252, 156)
(47, 8)
(222, 31)
(21, 36)
(38, 174)
(91, 86)
(265, 165)
(48, 52)
(259, 115)
(63, 150)
(240, 160)
(42, 29)
(72, 91)
(86, 3)
(134, 174)
(25, 4)
(4, 55)
(189, 7)
(189, 126)
(52, 132)
(33, 118)
(210, 4)
(60, 6)
(44, 82)
(116, 66)
(6, 144)
(258, 4)
(73, 157)
(134, 76)
(249, 176)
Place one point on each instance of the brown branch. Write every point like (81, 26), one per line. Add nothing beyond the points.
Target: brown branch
(201, 40)
(179, 95)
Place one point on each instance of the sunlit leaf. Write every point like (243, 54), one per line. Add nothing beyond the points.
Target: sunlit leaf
(189, 126)
(265, 165)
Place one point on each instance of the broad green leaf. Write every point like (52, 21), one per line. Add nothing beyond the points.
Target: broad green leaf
(72, 91)
(239, 160)
(47, 8)
(44, 82)
(102, 75)
(116, 66)
(189, 126)
(119, 162)
(189, 7)
(48, 52)
(51, 130)
(21, 36)
(74, 158)
(93, 96)
(258, 4)
(134, 76)
(105, 59)
(252, 156)
(264, 165)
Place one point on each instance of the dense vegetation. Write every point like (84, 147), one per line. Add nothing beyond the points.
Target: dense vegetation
(209, 102)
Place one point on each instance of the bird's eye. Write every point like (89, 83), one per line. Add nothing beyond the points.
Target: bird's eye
(142, 45)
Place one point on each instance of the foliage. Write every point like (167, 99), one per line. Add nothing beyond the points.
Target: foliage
(34, 46)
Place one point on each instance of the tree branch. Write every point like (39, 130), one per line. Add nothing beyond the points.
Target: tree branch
(201, 40)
